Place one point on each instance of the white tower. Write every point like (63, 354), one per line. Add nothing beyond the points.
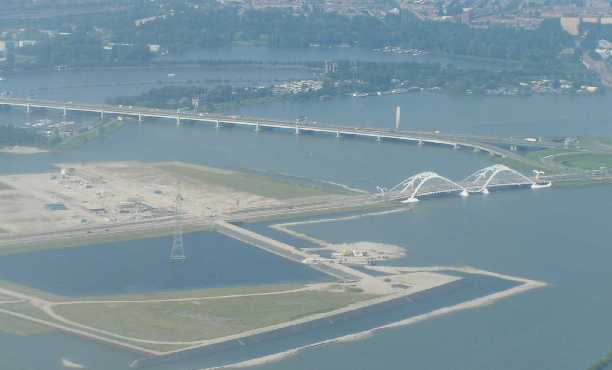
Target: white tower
(397, 117)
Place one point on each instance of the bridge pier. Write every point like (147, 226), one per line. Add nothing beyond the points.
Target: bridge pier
(464, 193)
(178, 120)
(28, 109)
(297, 130)
(476, 150)
(513, 148)
(139, 117)
(257, 127)
(485, 191)
(217, 124)
(455, 146)
(378, 138)
(420, 143)
(101, 115)
(65, 112)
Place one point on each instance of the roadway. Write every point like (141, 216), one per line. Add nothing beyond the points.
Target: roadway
(489, 144)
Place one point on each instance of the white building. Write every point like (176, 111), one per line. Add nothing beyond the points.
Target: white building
(3, 51)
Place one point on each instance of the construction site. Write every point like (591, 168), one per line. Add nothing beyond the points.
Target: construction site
(183, 220)
(74, 195)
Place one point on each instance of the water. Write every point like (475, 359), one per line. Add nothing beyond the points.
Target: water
(505, 116)
(560, 236)
(141, 266)
(470, 287)
(45, 351)
(99, 84)
(542, 235)
(360, 163)
(321, 54)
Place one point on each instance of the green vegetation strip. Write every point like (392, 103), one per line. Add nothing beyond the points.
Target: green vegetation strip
(96, 237)
(542, 154)
(102, 129)
(201, 293)
(587, 161)
(265, 186)
(204, 319)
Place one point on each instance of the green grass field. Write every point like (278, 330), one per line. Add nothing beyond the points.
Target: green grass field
(587, 161)
(208, 292)
(266, 186)
(539, 154)
(14, 325)
(204, 319)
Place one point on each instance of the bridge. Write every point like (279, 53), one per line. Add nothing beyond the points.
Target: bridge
(482, 181)
(498, 146)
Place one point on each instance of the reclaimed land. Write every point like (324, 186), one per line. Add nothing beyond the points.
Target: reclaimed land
(21, 327)
(197, 320)
(266, 186)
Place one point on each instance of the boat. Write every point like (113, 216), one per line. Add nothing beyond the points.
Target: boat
(66, 363)
(540, 186)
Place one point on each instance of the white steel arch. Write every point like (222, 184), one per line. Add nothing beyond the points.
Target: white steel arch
(480, 180)
(413, 186)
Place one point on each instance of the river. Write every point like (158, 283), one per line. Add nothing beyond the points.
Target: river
(559, 235)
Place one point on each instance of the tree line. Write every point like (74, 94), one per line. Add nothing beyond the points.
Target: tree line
(179, 27)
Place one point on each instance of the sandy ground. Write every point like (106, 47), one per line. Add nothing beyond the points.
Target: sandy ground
(348, 253)
(110, 193)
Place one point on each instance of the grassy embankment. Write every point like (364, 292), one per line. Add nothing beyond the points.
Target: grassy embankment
(97, 237)
(587, 161)
(592, 155)
(205, 319)
(200, 293)
(265, 186)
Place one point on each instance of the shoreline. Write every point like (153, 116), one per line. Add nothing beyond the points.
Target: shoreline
(489, 299)
(22, 150)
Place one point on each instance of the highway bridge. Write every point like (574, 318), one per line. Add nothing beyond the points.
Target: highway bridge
(499, 146)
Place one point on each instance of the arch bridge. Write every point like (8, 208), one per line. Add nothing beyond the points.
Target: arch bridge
(426, 184)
